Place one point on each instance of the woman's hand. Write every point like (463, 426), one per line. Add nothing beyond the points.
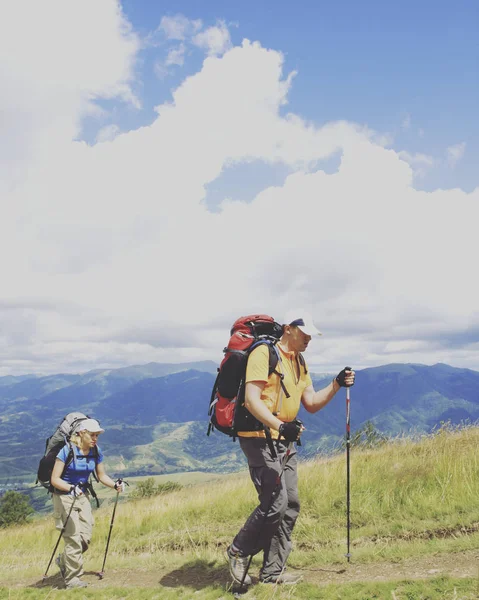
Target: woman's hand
(120, 485)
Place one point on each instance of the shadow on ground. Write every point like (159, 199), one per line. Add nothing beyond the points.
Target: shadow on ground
(55, 581)
(198, 574)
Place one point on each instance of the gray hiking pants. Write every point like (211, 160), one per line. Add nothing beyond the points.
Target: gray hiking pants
(270, 525)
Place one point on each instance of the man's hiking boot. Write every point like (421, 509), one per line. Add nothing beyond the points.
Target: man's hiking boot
(60, 565)
(76, 583)
(238, 565)
(282, 578)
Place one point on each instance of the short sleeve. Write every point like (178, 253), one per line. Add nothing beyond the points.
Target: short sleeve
(258, 364)
(100, 456)
(63, 454)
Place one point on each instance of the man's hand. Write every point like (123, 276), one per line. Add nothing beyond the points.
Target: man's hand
(346, 377)
(76, 491)
(291, 431)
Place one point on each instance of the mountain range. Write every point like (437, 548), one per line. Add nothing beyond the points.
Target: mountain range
(155, 415)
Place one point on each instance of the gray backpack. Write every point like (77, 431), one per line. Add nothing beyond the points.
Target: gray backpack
(55, 443)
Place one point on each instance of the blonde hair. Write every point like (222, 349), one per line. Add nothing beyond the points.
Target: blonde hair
(76, 439)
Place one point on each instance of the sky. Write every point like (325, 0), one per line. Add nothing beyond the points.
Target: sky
(166, 167)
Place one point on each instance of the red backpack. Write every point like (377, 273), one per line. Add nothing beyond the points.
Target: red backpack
(227, 412)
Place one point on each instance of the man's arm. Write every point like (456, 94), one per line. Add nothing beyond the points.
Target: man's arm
(257, 407)
(314, 401)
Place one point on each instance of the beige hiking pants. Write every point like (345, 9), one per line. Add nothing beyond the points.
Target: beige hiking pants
(77, 534)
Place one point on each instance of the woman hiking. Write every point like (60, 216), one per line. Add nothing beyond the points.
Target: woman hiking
(70, 485)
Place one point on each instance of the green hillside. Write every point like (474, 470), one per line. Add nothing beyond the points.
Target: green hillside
(415, 532)
(157, 424)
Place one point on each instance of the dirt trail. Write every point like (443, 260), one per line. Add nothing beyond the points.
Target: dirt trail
(200, 574)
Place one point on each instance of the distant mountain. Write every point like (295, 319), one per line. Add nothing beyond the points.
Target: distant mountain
(99, 382)
(12, 379)
(401, 398)
(157, 423)
(178, 398)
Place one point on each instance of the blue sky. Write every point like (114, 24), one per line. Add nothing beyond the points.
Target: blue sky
(168, 166)
(409, 69)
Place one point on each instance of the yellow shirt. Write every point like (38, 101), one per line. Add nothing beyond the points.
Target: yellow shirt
(296, 380)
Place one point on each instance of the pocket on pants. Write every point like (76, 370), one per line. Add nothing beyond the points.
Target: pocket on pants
(57, 517)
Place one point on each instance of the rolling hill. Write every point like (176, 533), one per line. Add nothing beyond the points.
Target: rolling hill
(155, 415)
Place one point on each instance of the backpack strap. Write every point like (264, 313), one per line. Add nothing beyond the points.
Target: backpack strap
(302, 362)
(96, 456)
(280, 374)
(89, 487)
(69, 460)
(213, 401)
(269, 441)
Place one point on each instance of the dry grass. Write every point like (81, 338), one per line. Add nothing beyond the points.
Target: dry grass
(408, 498)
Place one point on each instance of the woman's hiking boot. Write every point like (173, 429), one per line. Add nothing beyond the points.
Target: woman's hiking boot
(60, 565)
(76, 583)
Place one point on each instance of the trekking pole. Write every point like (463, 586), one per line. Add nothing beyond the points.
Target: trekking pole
(273, 498)
(102, 572)
(348, 481)
(59, 537)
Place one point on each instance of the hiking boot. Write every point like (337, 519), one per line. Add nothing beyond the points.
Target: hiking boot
(60, 565)
(76, 583)
(238, 565)
(282, 578)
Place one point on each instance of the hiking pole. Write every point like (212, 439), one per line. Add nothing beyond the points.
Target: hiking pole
(348, 481)
(102, 572)
(272, 499)
(59, 537)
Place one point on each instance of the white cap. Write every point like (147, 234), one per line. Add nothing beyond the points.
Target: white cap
(90, 425)
(302, 320)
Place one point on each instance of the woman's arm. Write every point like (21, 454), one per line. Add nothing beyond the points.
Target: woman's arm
(56, 478)
(103, 477)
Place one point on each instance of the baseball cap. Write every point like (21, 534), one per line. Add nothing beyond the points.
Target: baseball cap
(90, 425)
(303, 320)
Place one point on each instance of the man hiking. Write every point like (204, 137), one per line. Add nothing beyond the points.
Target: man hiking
(275, 401)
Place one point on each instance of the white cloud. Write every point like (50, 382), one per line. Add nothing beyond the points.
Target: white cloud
(214, 40)
(176, 56)
(419, 162)
(107, 133)
(406, 122)
(455, 153)
(111, 249)
(179, 27)
(53, 65)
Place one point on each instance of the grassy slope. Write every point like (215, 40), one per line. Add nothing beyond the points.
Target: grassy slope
(408, 500)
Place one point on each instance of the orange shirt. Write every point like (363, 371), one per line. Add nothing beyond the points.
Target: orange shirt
(296, 380)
